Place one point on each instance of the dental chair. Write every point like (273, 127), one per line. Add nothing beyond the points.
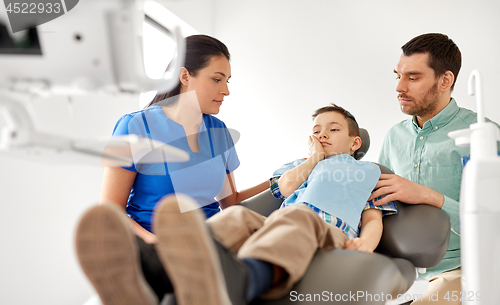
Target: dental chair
(416, 238)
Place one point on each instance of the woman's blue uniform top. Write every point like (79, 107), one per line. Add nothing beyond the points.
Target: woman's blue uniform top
(202, 177)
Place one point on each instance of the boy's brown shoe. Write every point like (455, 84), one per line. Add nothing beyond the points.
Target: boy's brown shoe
(108, 254)
(202, 271)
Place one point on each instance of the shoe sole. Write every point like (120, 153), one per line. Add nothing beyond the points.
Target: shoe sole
(109, 257)
(188, 254)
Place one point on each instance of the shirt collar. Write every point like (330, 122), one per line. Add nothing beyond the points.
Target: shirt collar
(442, 118)
(343, 157)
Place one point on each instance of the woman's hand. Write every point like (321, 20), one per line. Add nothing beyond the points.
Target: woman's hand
(315, 148)
(149, 238)
(229, 195)
(116, 185)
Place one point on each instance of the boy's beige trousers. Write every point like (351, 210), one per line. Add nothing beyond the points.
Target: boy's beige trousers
(288, 238)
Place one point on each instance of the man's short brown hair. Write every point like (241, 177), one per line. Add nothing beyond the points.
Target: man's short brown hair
(444, 55)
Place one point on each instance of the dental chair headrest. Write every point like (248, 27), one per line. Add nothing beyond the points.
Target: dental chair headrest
(365, 144)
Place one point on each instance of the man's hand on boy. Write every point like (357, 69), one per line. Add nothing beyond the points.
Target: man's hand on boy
(358, 244)
(315, 148)
(399, 188)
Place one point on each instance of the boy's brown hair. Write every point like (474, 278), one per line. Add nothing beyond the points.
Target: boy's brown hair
(351, 121)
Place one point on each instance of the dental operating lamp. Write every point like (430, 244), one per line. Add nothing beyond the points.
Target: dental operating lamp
(94, 49)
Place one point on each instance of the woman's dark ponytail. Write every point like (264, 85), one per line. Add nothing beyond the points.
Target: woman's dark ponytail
(199, 50)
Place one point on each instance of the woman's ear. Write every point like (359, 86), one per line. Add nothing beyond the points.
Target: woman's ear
(356, 144)
(184, 76)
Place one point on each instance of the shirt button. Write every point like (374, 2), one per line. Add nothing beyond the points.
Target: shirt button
(436, 127)
(421, 138)
(415, 165)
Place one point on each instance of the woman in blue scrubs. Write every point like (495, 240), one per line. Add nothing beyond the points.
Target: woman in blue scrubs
(182, 118)
(123, 268)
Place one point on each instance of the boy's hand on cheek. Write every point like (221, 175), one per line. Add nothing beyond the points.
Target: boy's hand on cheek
(357, 244)
(315, 148)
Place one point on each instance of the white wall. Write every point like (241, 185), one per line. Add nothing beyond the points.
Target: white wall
(41, 204)
(197, 13)
(292, 57)
(288, 58)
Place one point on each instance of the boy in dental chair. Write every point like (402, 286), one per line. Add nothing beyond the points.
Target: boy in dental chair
(273, 253)
(277, 250)
(332, 182)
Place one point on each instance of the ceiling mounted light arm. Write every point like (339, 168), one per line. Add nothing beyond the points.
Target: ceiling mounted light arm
(19, 137)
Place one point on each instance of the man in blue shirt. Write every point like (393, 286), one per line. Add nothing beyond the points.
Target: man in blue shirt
(425, 160)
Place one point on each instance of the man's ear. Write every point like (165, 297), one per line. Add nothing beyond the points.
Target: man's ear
(447, 82)
(184, 76)
(356, 144)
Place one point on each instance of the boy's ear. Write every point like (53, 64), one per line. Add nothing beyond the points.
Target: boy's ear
(356, 144)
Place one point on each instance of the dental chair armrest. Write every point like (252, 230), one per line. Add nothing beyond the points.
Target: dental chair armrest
(264, 203)
(419, 233)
